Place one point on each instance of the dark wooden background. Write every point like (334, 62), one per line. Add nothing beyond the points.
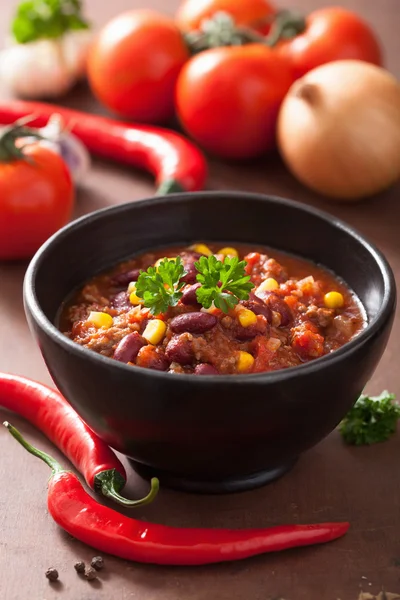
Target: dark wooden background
(330, 482)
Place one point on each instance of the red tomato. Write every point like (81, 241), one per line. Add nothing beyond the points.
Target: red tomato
(245, 12)
(36, 199)
(228, 99)
(134, 63)
(331, 34)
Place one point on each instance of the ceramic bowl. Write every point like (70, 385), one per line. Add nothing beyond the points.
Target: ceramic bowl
(209, 434)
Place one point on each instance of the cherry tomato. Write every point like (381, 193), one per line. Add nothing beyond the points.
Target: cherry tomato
(36, 199)
(245, 12)
(228, 99)
(331, 34)
(134, 63)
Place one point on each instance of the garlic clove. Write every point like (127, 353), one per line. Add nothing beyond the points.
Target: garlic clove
(35, 70)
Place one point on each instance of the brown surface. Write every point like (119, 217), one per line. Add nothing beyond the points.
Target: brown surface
(330, 482)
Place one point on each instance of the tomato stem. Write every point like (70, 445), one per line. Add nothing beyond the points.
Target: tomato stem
(218, 31)
(287, 25)
(9, 149)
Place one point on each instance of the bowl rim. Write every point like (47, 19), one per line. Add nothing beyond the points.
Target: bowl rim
(384, 313)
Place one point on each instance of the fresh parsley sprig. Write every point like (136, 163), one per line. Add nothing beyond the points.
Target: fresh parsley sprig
(161, 287)
(222, 283)
(46, 19)
(372, 419)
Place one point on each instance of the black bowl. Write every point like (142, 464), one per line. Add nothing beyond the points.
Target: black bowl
(209, 433)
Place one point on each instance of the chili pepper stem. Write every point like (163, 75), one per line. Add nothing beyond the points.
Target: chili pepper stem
(110, 482)
(169, 186)
(107, 481)
(49, 460)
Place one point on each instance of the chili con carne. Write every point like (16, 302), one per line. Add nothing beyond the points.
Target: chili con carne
(175, 161)
(50, 412)
(295, 312)
(109, 531)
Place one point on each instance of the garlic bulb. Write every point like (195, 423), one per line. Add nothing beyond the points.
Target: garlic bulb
(46, 68)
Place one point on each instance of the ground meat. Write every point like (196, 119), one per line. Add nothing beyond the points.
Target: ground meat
(271, 268)
(216, 349)
(93, 295)
(322, 317)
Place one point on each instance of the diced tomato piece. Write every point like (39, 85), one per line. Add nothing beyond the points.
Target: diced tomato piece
(291, 301)
(307, 342)
(251, 259)
(262, 354)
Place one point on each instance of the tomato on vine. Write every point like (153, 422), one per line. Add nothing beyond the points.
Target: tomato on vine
(228, 99)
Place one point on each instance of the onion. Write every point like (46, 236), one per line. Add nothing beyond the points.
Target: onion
(339, 129)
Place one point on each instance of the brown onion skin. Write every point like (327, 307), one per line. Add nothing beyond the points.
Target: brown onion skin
(339, 130)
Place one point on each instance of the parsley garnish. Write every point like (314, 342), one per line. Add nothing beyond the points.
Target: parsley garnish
(160, 287)
(224, 283)
(372, 419)
(46, 19)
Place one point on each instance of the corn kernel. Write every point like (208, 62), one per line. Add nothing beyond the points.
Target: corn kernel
(159, 261)
(247, 317)
(133, 297)
(333, 300)
(154, 331)
(228, 251)
(269, 285)
(100, 319)
(201, 249)
(245, 362)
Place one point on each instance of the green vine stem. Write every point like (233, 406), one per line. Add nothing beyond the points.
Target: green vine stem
(221, 30)
(9, 148)
(287, 25)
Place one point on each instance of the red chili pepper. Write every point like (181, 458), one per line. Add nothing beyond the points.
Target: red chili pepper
(50, 412)
(177, 163)
(108, 531)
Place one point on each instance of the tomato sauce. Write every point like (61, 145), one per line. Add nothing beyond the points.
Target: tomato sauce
(296, 312)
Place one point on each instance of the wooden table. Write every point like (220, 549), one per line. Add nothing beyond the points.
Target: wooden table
(330, 482)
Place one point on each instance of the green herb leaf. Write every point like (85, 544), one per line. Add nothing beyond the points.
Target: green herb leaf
(372, 419)
(46, 19)
(151, 285)
(224, 283)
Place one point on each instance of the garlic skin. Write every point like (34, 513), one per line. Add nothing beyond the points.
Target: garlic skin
(45, 68)
(73, 152)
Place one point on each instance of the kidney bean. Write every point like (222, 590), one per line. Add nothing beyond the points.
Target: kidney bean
(246, 333)
(189, 295)
(128, 348)
(258, 306)
(188, 260)
(125, 277)
(179, 349)
(121, 302)
(205, 369)
(151, 357)
(279, 305)
(193, 322)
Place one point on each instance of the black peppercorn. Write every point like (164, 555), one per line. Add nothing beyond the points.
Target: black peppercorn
(97, 563)
(90, 574)
(79, 566)
(52, 574)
